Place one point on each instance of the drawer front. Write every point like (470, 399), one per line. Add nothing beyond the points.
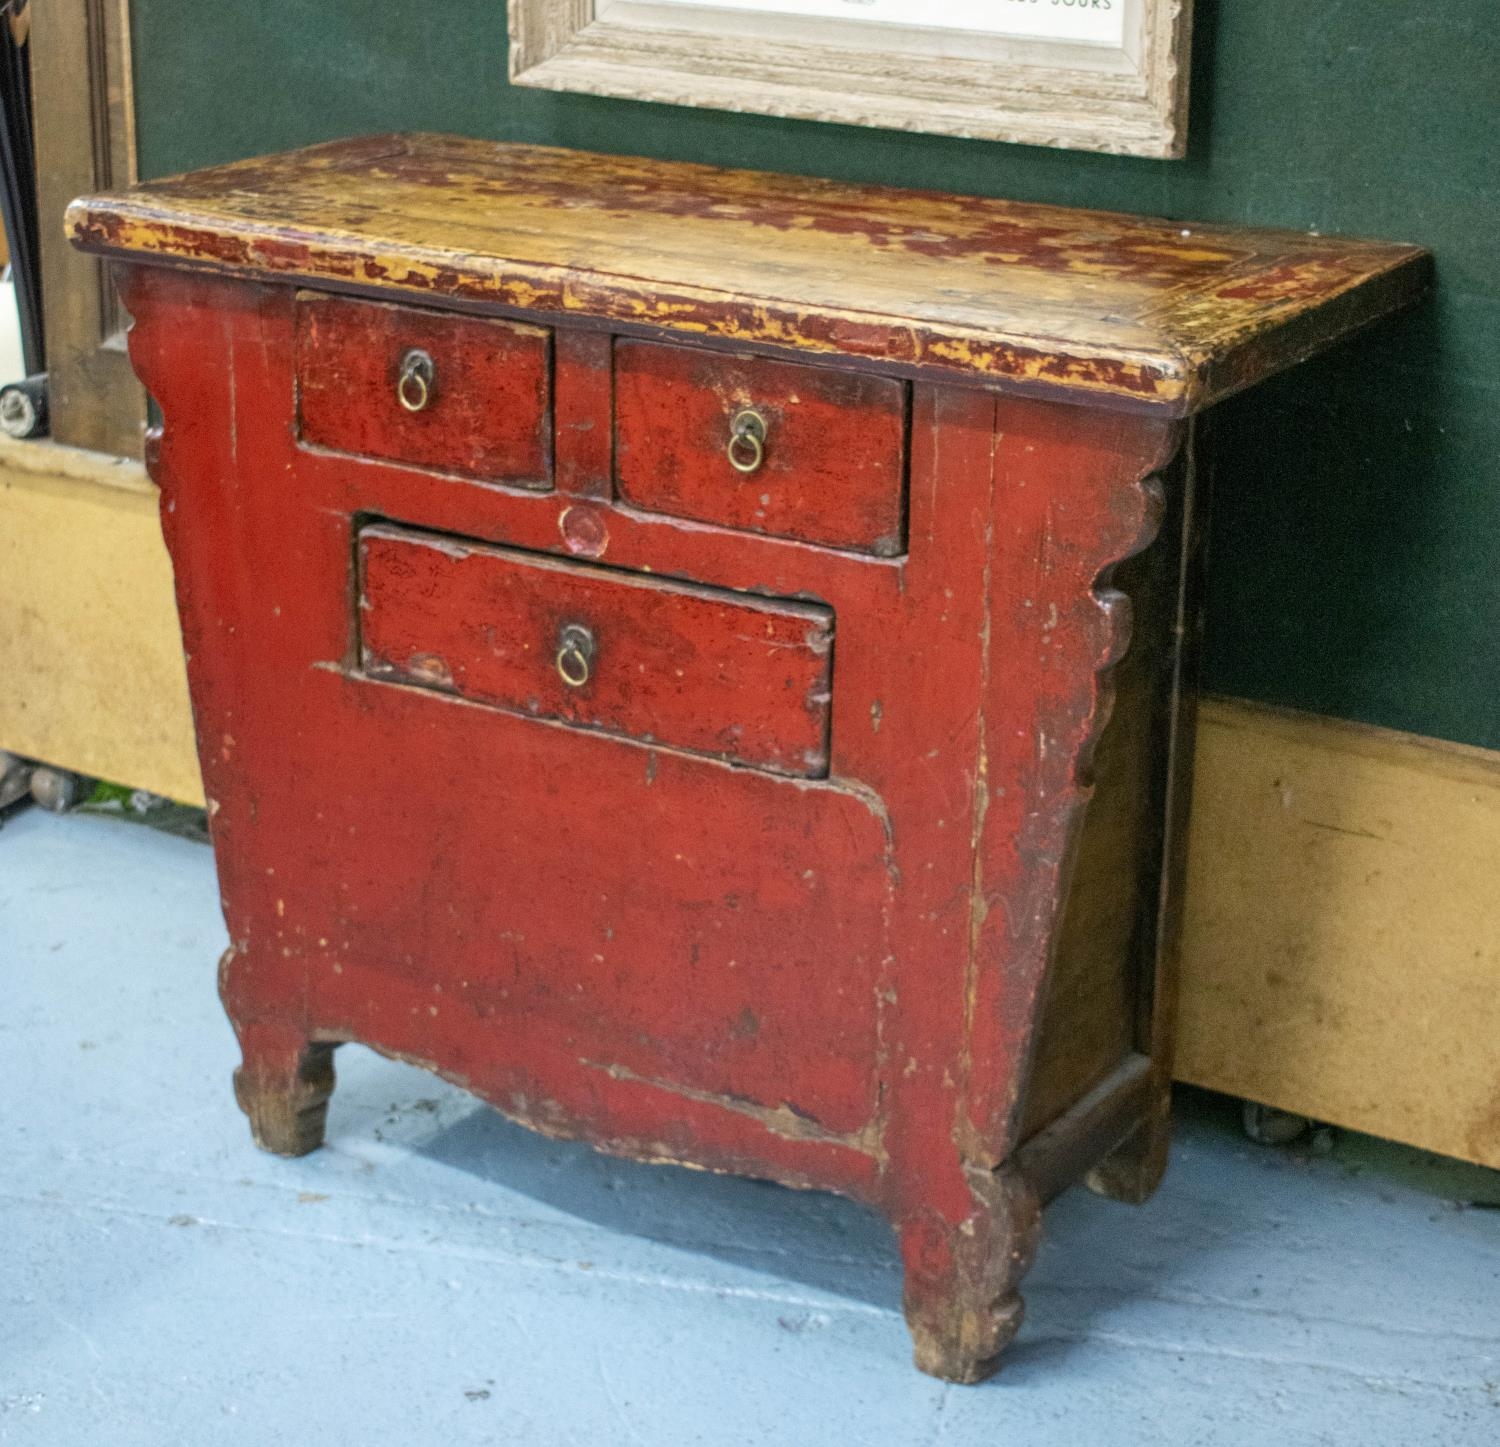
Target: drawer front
(455, 394)
(737, 677)
(823, 461)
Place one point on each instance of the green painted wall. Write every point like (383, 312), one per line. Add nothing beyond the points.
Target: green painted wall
(1356, 538)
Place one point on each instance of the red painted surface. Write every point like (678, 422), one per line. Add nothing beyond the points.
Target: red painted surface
(585, 441)
(488, 415)
(741, 678)
(831, 982)
(834, 459)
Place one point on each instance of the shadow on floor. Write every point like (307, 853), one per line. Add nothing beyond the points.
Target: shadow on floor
(815, 1239)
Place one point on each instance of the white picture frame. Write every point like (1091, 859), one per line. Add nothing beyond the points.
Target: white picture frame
(1108, 76)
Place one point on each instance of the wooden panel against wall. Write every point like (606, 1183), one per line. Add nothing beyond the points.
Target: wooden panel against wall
(91, 672)
(1342, 945)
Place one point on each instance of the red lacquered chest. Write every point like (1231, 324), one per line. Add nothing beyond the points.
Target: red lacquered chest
(655, 634)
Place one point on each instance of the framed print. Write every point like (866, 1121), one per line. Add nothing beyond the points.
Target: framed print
(1094, 75)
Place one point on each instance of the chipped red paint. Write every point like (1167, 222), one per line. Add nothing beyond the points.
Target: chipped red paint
(725, 674)
(832, 464)
(1294, 280)
(585, 436)
(776, 887)
(1043, 701)
(603, 937)
(486, 413)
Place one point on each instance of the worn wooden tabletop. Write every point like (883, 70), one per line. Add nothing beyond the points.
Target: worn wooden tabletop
(1089, 305)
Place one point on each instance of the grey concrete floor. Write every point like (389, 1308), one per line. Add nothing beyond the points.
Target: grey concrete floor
(437, 1275)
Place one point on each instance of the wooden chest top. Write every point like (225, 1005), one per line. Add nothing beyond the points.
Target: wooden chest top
(1093, 306)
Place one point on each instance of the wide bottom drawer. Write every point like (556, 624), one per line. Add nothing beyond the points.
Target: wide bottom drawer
(739, 677)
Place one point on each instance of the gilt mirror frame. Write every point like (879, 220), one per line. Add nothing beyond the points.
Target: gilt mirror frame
(811, 60)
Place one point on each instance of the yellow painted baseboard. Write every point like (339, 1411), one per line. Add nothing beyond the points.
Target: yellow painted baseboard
(91, 672)
(1341, 954)
(1342, 932)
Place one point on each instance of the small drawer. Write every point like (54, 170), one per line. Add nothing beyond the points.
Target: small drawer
(456, 394)
(726, 674)
(761, 446)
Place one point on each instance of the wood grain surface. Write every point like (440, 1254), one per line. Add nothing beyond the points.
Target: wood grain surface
(1091, 305)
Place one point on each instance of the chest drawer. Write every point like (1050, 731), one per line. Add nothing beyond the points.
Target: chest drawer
(713, 672)
(456, 394)
(761, 446)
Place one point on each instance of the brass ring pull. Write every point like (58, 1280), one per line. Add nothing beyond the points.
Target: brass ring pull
(747, 441)
(414, 384)
(575, 655)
